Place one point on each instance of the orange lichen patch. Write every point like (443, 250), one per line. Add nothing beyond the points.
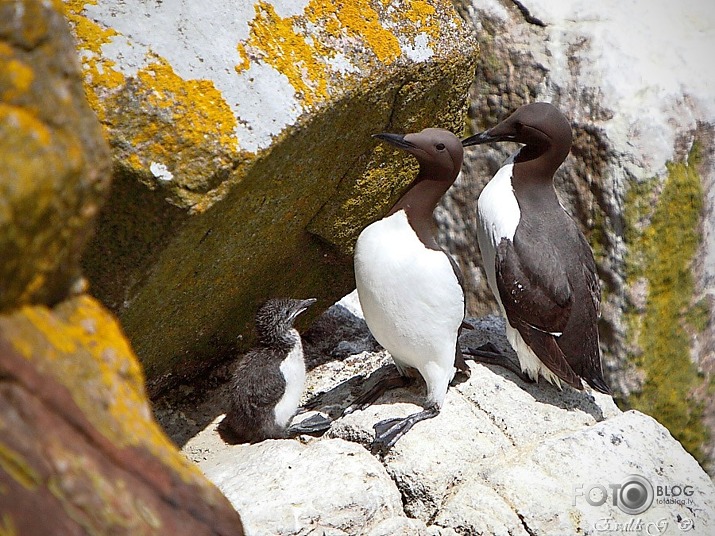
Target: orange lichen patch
(245, 62)
(56, 335)
(99, 73)
(423, 17)
(198, 113)
(282, 44)
(83, 347)
(198, 110)
(25, 125)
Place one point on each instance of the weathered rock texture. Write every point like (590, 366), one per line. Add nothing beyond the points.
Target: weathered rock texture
(502, 458)
(637, 85)
(242, 149)
(79, 450)
(54, 170)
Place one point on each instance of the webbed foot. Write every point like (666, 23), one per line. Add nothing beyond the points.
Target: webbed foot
(389, 431)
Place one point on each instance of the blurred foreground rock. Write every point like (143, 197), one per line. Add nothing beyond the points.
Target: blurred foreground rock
(80, 452)
(54, 170)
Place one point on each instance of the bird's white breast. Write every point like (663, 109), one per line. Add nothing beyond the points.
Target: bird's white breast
(498, 214)
(293, 370)
(410, 295)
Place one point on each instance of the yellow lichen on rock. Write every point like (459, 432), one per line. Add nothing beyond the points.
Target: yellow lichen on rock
(274, 41)
(198, 111)
(15, 75)
(422, 14)
(82, 345)
(100, 76)
(357, 19)
(299, 46)
(159, 116)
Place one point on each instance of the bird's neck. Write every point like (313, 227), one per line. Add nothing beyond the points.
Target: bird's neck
(419, 203)
(533, 177)
(540, 162)
(284, 339)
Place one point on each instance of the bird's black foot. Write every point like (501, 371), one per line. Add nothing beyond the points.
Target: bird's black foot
(315, 425)
(490, 355)
(391, 381)
(389, 431)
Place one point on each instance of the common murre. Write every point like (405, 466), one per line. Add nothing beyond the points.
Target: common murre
(409, 288)
(539, 266)
(268, 382)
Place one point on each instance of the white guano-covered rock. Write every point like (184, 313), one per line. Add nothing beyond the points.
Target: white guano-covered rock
(503, 457)
(284, 487)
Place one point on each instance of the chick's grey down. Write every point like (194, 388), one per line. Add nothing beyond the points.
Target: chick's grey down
(269, 381)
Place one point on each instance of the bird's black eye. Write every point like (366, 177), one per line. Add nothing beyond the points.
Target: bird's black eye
(440, 146)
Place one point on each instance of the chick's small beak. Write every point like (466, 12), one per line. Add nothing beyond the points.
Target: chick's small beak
(302, 305)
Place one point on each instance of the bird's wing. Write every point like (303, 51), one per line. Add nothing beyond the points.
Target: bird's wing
(264, 386)
(537, 299)
(533, 286)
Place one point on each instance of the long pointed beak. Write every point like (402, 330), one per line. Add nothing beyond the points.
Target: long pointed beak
(398, 140)
(486, 137)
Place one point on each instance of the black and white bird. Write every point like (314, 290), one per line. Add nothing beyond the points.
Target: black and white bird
(539, 266)
(269, 381)
(409, 288)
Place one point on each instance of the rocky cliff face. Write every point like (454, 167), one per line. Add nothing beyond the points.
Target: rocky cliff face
(502, 457)
(242, 149)
(636, 85)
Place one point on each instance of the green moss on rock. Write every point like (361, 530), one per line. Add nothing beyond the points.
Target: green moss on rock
(662, 245)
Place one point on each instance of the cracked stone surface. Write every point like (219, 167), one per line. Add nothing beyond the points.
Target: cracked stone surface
(503, 457)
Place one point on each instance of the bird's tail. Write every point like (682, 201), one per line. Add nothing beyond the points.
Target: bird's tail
(599, 384)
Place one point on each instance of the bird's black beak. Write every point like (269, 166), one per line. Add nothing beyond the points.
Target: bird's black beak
(302, 305)
(398, 140)
(488, 136)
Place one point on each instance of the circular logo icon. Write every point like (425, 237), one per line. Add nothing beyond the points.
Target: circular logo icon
(636, 495)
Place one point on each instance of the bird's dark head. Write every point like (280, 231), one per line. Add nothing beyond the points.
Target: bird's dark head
(539, 125)
(438, 151)
(275, 318)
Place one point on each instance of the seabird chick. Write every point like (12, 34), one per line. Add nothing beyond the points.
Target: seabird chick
(539, 266)
(269, 380)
